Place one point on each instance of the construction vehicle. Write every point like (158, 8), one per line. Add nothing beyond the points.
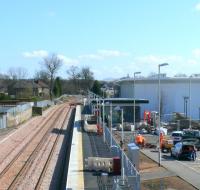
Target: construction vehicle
(165, 143)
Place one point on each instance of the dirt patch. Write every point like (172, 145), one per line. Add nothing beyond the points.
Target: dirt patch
(168, 183)
(146, 163)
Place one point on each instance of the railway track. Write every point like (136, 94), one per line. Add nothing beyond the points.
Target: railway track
(28, 138)
(42, 175)
(14, 174)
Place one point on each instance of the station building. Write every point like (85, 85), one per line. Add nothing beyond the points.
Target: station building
(175, 94)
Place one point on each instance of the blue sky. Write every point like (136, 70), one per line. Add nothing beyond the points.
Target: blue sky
(114, 38)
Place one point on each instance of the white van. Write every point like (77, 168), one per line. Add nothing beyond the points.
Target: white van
(176, 136)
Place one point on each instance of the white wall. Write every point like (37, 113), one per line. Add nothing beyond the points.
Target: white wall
(172, 94)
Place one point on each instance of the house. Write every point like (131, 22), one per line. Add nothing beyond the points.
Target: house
(43, 88)
(27, 88)
(108, 90)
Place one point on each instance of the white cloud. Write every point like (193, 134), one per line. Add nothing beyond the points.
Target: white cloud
(155, 60)
(192, 61)
(196, 53)
(90, 57)
(67, 60)
(35, 54)
(103, 54)
(197, 7)
(111, 53)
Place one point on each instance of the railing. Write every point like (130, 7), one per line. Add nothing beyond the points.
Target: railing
(132, 176)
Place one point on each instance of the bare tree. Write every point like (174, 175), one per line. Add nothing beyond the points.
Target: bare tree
(87, 76)
(74, 76)
(51, 65)
(42, 75)
(17, 73)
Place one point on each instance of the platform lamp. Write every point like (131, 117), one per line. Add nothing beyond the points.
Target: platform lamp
(104, 137)
(110, 104)
(190, 98)
(159, 150)
(117, 108)
(135, 73)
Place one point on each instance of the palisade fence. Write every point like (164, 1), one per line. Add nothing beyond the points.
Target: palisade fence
(14, 110)
(131, 174)
(2, 121)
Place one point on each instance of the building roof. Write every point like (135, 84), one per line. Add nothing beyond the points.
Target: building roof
(163, 79)
(21, 84)
(29, 84)
(122, 101)
(41, 84)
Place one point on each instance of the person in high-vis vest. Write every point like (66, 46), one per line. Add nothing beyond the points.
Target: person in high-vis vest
(140, 140)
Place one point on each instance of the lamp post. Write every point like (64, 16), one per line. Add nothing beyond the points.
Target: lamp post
(190, 126)
(135, 73)
(111, 124)
(122, 154)
(159, 150)
(104, 138)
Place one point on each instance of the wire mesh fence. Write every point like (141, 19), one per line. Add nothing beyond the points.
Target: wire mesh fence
(132, 176)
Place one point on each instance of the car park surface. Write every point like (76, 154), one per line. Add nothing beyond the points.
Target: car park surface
(179, 167)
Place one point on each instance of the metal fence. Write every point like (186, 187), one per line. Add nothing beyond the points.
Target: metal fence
(16, 109)
(2, 121)
(131, 174)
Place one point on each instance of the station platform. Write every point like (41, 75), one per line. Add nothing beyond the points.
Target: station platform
(86, 145)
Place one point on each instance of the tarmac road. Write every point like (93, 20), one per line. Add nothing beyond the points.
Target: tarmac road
(187, 170)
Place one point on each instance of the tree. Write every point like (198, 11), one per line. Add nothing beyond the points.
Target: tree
(51, 65)
(87, 77)
(42, 75)
(74, 76)
(57, 90)
(17, 73)
(96, 88)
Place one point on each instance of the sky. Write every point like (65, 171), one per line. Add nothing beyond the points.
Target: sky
(114, 38)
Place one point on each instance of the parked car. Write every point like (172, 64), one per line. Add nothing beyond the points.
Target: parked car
(195, 141)
(176, 136)
(184, 150)
(191, 133)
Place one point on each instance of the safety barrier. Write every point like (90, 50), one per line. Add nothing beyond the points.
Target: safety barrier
(132, 176)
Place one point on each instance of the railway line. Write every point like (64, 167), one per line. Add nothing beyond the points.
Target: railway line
(28, 168)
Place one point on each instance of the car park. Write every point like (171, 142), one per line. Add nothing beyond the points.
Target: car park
(184, 150)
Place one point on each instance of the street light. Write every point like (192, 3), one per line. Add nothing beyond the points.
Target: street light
(159, 150)
(190, 126)
(135, 73)
(122, 155)
(110, 104)
(104, 138)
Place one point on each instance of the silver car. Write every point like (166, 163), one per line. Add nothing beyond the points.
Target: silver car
(184, 150)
